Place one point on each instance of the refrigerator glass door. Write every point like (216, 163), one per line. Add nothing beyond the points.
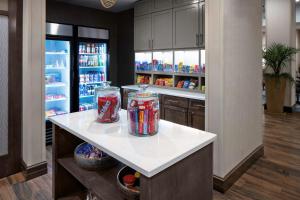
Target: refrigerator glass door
(92, 63)
(57, 77)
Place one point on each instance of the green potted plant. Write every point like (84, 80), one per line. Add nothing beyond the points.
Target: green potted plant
(277, 58)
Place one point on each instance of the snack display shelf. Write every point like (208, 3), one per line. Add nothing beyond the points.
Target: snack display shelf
(187, 74)
(144, 72)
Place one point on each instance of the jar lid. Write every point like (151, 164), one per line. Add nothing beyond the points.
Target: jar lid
(143, 93)
(106, 86)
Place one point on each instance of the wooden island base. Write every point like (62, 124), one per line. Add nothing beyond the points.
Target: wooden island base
(188, 179)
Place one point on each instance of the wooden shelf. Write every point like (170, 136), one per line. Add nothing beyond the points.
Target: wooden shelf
(101, 183)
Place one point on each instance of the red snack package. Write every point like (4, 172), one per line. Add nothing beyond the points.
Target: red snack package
(107, 109)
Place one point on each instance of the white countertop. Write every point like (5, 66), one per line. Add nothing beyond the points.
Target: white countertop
(171, 92)
(147, 155)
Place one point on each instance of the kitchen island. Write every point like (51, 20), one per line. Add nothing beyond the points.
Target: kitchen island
(174, 164)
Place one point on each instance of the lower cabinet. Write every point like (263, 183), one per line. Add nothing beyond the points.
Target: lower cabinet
(196, 119)
(176, 114)
(178, 110)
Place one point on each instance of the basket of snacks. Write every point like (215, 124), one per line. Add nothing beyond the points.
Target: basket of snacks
(91, 158)
(129, 183)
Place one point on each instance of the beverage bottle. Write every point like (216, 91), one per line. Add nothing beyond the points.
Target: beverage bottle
(80, 61)
(96, 49)
(83, 48)
(88, 48)
(80, 48)
(93, 48)
(86, 60)
(98, 77)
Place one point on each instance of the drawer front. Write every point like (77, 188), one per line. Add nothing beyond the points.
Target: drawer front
(176, 115)
(175, 101)
(197, 105)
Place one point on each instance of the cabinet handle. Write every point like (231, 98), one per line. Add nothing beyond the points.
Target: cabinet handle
(197, 40)
(199, 106)
(172, 101)
(149, 44)
(201, 38)
(152, 43)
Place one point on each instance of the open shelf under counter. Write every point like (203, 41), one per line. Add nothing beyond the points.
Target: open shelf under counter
(107, 179)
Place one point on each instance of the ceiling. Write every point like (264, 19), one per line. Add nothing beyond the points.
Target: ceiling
(121, 5)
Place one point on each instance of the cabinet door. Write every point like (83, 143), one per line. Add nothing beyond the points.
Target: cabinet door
(186, 26)
(142, 32)
(159, 5)
(202, 24)
(142, 7)
(177, 3)
(162, 30)
(196, 119)
(176, 115)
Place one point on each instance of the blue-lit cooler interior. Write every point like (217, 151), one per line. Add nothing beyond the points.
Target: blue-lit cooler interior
(57, 77)
(92, 63)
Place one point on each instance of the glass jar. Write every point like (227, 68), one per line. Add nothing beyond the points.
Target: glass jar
(108, 103)
(143, 112)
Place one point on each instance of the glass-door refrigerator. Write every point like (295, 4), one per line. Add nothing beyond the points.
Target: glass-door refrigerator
(92, 61)
(58, 66)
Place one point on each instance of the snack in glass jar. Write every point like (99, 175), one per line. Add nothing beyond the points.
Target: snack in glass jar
(107, 101)
(143, 113)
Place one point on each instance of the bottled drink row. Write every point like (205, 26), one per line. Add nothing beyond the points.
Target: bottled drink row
(91, 61)
(92, 48)
(87, 90)
(91, 77)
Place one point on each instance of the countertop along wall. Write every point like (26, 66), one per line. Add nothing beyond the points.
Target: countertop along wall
(69, 14)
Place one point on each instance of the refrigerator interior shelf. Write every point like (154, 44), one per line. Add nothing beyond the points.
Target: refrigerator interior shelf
(91, 54)
(54, 100)
(91, 67)
(55, 85)
(50, 67)
(57, 53)
(91, 83)
(87, 96)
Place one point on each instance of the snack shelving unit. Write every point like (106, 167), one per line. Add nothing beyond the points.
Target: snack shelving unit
(171, 66)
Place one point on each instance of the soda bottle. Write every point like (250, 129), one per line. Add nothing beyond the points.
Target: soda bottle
(96, 49)
(83, 48)
(93, 48)
(88, 48)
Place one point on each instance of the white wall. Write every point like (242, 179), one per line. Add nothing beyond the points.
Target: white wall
(33, 82)
(281, 28)
(4, 5)
(234, 78)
